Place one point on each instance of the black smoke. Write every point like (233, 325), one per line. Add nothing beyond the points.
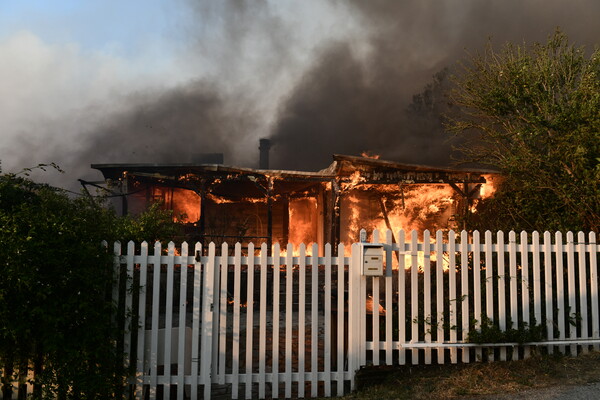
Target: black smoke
(172, 127)
(348, 104)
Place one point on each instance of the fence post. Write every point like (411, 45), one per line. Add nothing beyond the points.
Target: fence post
(355, 314)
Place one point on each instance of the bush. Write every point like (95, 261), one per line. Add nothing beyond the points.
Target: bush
(533, 113)
(491, 333)
(56, 309)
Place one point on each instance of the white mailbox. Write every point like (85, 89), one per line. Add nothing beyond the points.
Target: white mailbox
(371, 259)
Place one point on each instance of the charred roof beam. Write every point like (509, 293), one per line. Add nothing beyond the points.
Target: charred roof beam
(419, 178)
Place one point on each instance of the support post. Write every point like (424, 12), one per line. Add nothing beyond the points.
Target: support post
(285, 199)
(355, 314)
(202, 222)
(124, 188)
(336, 213)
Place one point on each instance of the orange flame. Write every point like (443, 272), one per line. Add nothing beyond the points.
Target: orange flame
(354, 180)
(303, 220)
(367, 154)
(487, 190)
(490, 186)
(186, 206)
(411, 207)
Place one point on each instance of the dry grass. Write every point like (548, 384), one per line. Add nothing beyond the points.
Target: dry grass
(468, 380)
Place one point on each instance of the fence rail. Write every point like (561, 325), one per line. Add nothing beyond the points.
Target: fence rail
(283, 324)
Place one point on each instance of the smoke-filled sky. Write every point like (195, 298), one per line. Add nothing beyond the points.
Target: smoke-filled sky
(107, 81)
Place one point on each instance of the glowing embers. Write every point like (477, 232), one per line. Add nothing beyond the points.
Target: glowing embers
(225, 200)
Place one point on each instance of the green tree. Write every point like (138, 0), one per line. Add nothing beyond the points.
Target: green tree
(56, 308)
(533, 112)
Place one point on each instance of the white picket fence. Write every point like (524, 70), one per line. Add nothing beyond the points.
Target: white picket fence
(281, 325)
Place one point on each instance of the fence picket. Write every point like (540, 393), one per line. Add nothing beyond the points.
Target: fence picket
(289, 271)
(195, 320)
(489, 283)
(525, 285)
(594, 287)
(262, 325)
(572, 307)
(181, 350)
(477, 301)
(216, 312)
(128, 304)
(439, 287)
(156, 269)
(341, 313)
(327, 321)
(560, 288)
(206, 364)
(427, 317)
(237, 282)
(464, 287)
(414, 294)
(222, 325)
(512, 265)
(548, 288)
(388, 301)
(375, 312)
(537, 296)
(302, 321)
(139, 378)
(452, 293)
(314, 320)
(169, 320)
(501, 289)
(401, 296)
(583, 289)
(276, 322)
(249, 320)
(362, 306)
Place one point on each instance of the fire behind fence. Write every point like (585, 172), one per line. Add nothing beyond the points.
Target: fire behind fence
(252, 325)
(244, 323)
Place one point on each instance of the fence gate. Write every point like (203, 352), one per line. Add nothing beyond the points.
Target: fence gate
(237, 324)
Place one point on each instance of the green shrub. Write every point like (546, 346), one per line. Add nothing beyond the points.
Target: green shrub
(57, 315)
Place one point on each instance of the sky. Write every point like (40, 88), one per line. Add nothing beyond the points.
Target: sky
(106, 81)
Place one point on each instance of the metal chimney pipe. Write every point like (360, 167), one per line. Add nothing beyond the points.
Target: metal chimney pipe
(264, 147)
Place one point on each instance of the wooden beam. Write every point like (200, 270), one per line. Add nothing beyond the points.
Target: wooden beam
(336, 214)
(285, 219)
(387, 223)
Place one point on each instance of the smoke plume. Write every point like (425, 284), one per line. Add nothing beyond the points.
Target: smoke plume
(316, 77)
(348, 103)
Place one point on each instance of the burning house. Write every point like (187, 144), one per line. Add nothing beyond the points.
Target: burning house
(220, 203)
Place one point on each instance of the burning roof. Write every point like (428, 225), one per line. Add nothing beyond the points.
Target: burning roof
(326, 206)
(343, 166)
